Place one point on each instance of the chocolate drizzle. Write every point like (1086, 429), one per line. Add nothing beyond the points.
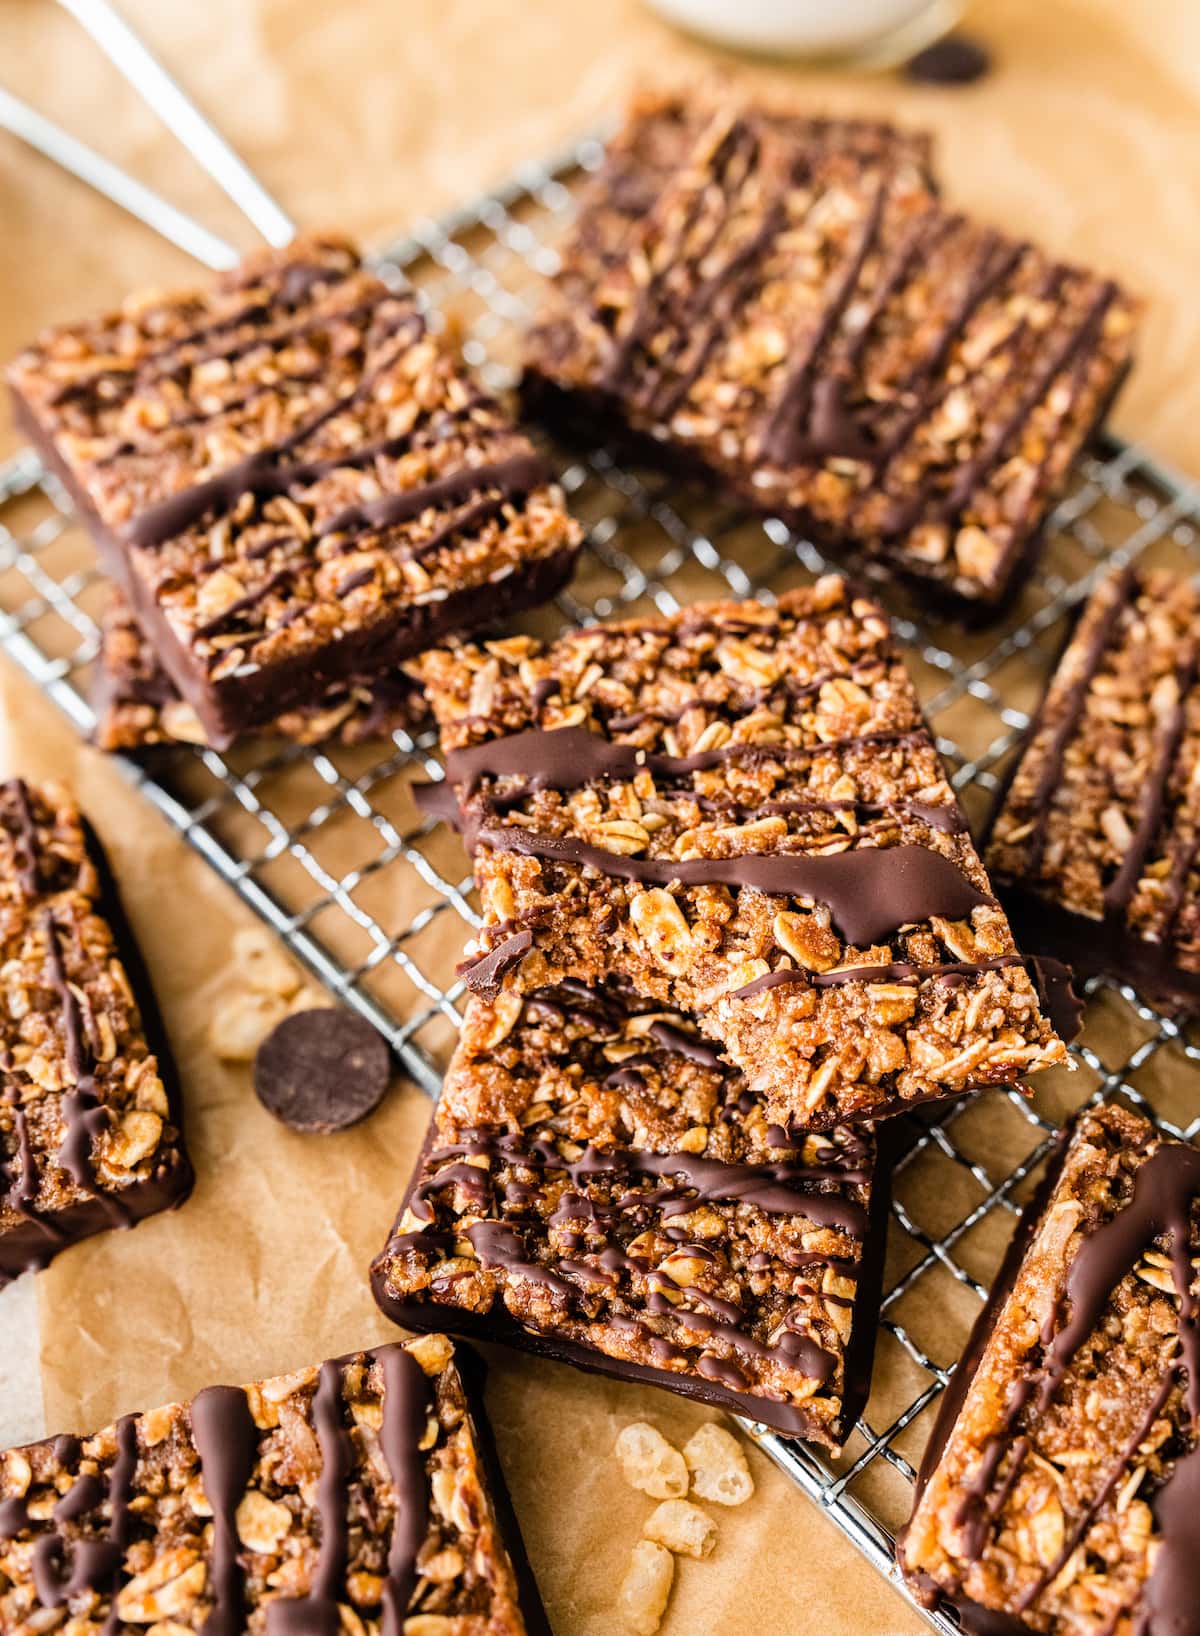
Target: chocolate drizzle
(1164, 1191)
(226, 1440)
(690, 1180)
(406, 1406)
(484, 973)
(513, 477)
(317, 1613)
(871, 892)
(26, 850)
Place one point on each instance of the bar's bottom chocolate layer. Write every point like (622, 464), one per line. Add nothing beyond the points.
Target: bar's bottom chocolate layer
(30, 1239)
(1099, 948)
(241, 705)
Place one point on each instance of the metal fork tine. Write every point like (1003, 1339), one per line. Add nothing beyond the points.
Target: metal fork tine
(114, 183)
(179, 113)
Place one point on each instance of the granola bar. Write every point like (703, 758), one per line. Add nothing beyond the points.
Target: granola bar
(741, 811)
(1059, 1491)
(1095, 845)
(362, 1496)
(90, 1133)
(659, 132)
(138, 707)
(291, 478)
(599, 1186)
(807, 327)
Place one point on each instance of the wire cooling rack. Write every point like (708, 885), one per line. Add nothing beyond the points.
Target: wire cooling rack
(328, 847)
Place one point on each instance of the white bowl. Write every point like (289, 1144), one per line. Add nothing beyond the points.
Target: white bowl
(817, 28)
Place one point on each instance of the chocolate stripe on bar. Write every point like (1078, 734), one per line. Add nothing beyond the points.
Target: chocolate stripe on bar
(317, 1613)
(899, 971)
(769, 1188)
(567, 758)
(265, 473)
(973, 472)
(1124, 588)
(23, 1177)
(808, 422)
(1169, 738)
(406, 1405)
(871, 892)
(512, 477)
(499, 1244)
(944, 816)
(226, 1440)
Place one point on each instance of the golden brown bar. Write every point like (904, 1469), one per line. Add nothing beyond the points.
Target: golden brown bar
(291, 478)
(1060, 1491)
(740, 810)
(90, 1131)
(362, 1496)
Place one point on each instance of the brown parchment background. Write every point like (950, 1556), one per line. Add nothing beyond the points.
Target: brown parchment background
(367, 115)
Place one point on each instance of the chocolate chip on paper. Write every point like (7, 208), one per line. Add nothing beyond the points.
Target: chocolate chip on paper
(322, 1070)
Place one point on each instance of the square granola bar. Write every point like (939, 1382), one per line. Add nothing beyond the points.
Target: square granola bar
(740, 810)
(599, 1186)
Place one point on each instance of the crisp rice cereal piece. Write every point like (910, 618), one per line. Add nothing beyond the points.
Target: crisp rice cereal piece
(242, 1022)
(682, 1527)
(650, 1463)
(646, 1587)
(262, 962)
(718, 1466)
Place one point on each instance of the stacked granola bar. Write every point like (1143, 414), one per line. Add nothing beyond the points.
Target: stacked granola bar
(729, 906)
(798, 318)
(294, 486)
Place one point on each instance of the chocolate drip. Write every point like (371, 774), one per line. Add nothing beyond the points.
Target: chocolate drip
(317, 1613)
(24, 1180)
(871, 892)
(692, 1180)
(243, 604)
(26, 849)
(406, 1406)
(14, 1518)
(567, 758)
(1124, 588)
(1055, 984)
(512, 477)
(899, 971)
(84, 1495)
(484, 973)
(687, 1045)
(226, 1440)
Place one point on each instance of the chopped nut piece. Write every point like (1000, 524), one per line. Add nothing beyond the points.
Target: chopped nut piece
(682, 1528)
(650, 1463)
(646, 1588)
(718, 1467)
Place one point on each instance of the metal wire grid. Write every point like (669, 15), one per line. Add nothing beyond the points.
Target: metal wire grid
(327, 847)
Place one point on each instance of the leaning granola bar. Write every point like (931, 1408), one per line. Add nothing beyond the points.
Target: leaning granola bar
(806, 326)
(1095, 844)
(741, 811)
(90, 1132)
(599, 1186)
(292, 479)
(362, 1496)
(1059, 1494)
